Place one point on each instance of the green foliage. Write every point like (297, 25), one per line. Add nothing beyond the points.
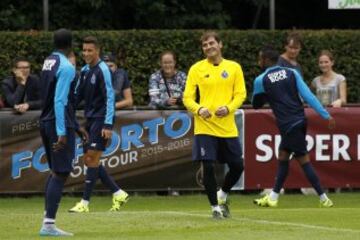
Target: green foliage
(142, 48)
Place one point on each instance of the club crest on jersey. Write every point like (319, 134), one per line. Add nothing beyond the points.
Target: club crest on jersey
(93, 79)
(224, 74)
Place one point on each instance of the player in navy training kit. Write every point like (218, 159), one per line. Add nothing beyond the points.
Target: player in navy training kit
(57, 126)
(95, 88)
(281, 87)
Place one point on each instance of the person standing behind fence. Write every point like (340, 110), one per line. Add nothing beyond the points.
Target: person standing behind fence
(121, 83)
(221, 87)
(330, 87)
(57, 126)
(282, 87)
(166, 86)
(95, 88)
(292, 45)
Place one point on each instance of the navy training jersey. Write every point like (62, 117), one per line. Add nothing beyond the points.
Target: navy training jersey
(95, 88)
(281, 88)
(57, 92)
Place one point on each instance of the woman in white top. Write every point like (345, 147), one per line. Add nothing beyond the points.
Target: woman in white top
(330, 86)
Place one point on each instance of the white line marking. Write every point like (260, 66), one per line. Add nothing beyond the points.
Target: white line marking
(195, 214)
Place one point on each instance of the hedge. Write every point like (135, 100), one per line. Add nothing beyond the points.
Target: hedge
(143, 47)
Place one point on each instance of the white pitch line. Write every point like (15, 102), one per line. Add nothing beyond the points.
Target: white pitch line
(180, 213)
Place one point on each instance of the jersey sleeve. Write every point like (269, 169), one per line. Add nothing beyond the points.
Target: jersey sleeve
(259, 95)
(65, 76)
(309, 97)
(239, 94)
(110, 98)
(189, 96)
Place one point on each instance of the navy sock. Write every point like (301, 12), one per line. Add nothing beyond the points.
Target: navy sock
(46, 187)
(107, 180)
(90, 181)
(312, 177)
(53, 196)
(283, 170)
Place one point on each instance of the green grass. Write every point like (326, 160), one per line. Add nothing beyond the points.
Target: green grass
(188, 217)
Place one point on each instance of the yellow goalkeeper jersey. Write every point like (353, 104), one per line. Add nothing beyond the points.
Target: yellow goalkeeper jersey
(218, 85)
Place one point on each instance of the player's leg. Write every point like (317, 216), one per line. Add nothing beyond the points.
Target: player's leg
(271, 199)
(205, 151)
(91, 161)
(61, 166)
(229, 152)
(120, 197)
(313, 178)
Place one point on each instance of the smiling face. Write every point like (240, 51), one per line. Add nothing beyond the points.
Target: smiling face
(167, 63)
(325, 63)
(211, 47)
(91, 53)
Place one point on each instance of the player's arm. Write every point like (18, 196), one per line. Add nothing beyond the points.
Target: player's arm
(65, 76)
(259, 96)
(189, 96)
(110, 102)
(309, 97)
(239, 92)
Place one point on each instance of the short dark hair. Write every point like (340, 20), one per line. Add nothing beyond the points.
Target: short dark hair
(62, 38)
(92, 40)
(208, 34)
(270, 53)
(295, 37)
(19, 59)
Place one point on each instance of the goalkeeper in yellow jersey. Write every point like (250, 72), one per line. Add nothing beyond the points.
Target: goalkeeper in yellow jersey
(218, 85)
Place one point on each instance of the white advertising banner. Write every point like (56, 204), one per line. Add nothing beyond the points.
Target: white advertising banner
(344, 4)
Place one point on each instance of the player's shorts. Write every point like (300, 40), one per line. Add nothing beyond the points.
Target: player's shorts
(294, 141)
(96, 142)
(62, 160)
(211, 148)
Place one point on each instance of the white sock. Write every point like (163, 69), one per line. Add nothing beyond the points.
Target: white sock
(221, 194)
(323, 197)
(85, 202)
(48, 221)
(118, 192)
(273, 196)
(216, 208)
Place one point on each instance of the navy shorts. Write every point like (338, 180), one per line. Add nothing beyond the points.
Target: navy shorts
(96, 142)
(294, 141)
(62, 160)
(211, 148)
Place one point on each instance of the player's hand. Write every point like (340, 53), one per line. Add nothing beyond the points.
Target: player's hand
(171, 101)
(222, 111)
(83, 135)
(20, 77)
(331, 123)
(204, 113)
(60, 144)
(106, 133)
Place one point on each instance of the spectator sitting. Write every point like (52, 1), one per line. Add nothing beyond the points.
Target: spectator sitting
(330, 86)
(292, 47)
(166, 85)
(21, 89)
(121, 83)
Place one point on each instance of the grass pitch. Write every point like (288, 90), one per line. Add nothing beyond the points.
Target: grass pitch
(188, 217)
